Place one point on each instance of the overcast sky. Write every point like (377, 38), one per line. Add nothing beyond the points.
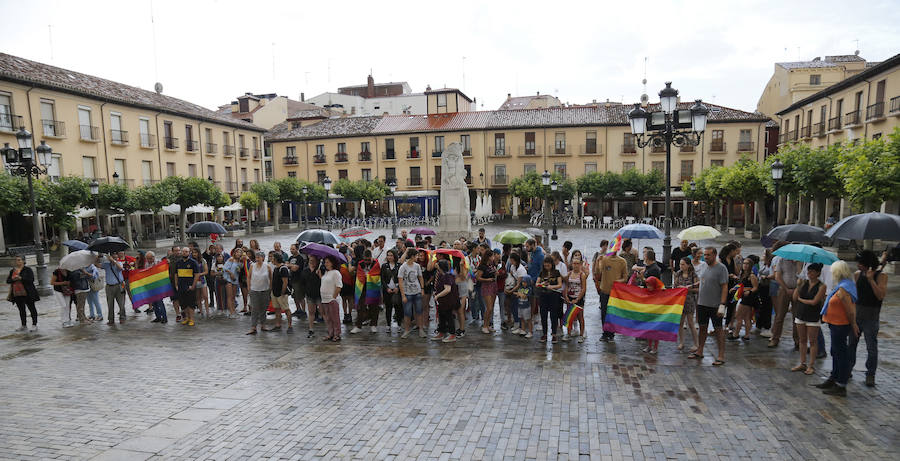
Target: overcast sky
(208, 52)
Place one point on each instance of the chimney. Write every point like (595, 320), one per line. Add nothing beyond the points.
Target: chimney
(302, 97)
(370, 87)
(539, 93)
(508, 95)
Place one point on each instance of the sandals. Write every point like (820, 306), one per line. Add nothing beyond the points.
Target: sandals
(695, 355)
(801, 367)
(680, 347)
(328, 338)
(718, 363)
(809, 371)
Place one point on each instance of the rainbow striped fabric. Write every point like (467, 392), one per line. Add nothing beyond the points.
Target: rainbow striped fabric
(368, 285)
(572, 314)
(616, 246)
(151, 284)
(643, 313)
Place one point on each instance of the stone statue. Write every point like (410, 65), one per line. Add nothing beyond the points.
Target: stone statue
(455, 216)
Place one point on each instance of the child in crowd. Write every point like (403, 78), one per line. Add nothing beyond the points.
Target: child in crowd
(523, 304)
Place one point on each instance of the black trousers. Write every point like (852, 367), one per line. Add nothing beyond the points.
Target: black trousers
(390, 307)
(445, 321)
(764, 315)
(22, 302)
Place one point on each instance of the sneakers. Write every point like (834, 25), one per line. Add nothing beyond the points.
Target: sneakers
(837, 391)
(310, 334)
(528, 336)
(755, 331)
(290, 329)
(828, 384)
(438, 337)
(581, 339)
(404, 335)
(33, 328)
(22, 328)
(422, 334)
(566, 337)
(544, 338)
(375, 330)
(554, 340)
(184, 322)
(190, 323)
(155, 321)
(523, 333)
(355, 330)
(68, 324)
(449, 339)
(515, 330)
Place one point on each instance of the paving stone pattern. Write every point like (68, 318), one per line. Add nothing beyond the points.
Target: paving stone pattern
(147, 391)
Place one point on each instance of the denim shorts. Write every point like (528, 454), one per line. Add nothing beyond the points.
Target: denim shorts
(412, 302)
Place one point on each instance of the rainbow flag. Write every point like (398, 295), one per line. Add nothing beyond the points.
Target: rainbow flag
(739, 292)
(616, 245)
(151, 284)
(572, 314)
(368, 285)
(643, 313)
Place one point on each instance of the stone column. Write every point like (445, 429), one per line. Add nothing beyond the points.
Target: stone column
(729, 205)
(818, 212)
(803, 209)
(790, 205)
(615, 208)
(515, 207)
(684, 208)
(845, 209)
(829, 206)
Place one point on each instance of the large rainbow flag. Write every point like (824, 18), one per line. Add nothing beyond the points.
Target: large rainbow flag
(643, 313)
(151, 284)
(368, 285)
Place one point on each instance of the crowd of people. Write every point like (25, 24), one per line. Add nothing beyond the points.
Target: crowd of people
(521, 289)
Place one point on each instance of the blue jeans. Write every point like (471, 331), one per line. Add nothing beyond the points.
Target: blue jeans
(604, 302)
(840, 354)
(93, 299)
(160, 310)
(820, 341)
(867, 320)
(413, 305)
(476, 303)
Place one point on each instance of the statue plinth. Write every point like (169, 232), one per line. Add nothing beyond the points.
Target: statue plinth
(455, 215)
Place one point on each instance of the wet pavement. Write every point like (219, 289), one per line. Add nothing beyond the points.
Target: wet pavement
(148, 391)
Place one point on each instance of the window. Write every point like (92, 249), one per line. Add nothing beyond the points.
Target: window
(628, 144)
(414, 146)
(530, 167)
(53, 170)
(438, 146)
(718, 141)
(48, 118)
(687, 170)
(147, 172)
(192, 170)
(389, 148)
(364, 147)
(717, 162)
(88, 167)
(468, 169)
(815, 79)
(415, 176)
(342, 148)
(500, 178)
(342, 174)
(559, 143)
(659, 166)
(499, 144)
(211, 172)
(320, 176)
(320, 149)
(466, 142)
(529, 143)
(442, 100)
(745, 141)
(256, 177)
(144, 127)
(590, 167)
(119, 169)
(225, 139)
(291, 151)
(84, 124)
(590, 142)
(823, 113)
(437, 175)
(390, 173)
(241, 141)
(167, 133)
(292, 174)
(560, 168)
(627, 166)
(243, 176)
(117, 136)
(366, 174)
(170, 169)
(228, 176)
(6, 114)
(208, 133)
(767, 136)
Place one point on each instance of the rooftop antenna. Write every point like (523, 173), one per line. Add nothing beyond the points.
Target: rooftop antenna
(155, 58)
(645, 99)
(857, 46)
(50, 36)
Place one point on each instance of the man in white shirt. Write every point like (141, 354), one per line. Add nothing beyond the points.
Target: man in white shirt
(379, 253)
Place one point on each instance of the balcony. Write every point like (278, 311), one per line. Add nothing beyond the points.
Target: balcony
(227, 150)
(257, 153)
(413, 154)
(687, 148)
(148, 141)
(10, 122)
(319, 158)
(414, 182)
(529, 150)
(191, 145)
(500, 152)
(243, 152)
(291, 160)
(818, 129)
(629, 149)
(365, 156)
(749, 146)
(230, 187)
(658, 149)
(170, 143)
(389, 155)
(468, 180)
(793, 135)
(718, 146)
(851, 119)
(590, 149)
(437, 153)
(834, 124)
(54, 128)
(560, 149)
(467, 152)
(341, 157)
(245, 186)
(875, 112)
(129, 183)
(806, 132)
(89, 133)
(895, 105)
(499, 180)
(118, 137)
(436, 181)
(211, 148)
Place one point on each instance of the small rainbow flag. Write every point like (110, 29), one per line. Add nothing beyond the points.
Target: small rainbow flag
(642, 313)
(368, 285)
(151, 284)
(616, 245)
(572, 314)
(739, 292)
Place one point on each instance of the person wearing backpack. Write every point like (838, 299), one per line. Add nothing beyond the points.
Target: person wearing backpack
(281, 291)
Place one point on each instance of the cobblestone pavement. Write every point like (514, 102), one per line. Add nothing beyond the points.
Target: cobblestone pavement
(148, 391)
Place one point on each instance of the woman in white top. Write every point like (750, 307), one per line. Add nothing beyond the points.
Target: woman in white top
(330, 290)
(260, 281)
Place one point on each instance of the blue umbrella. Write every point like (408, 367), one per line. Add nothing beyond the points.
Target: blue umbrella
(640, 231)
(76, 244)
(806, 253)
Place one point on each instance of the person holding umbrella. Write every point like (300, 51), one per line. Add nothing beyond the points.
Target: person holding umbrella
(115, 289)
(187, 273)
(871, 287)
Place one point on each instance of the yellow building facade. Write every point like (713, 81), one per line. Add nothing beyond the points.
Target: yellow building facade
(112, 132)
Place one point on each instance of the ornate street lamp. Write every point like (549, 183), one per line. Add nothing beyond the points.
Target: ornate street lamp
(392, 183)
(327, 184)
(545, 180)
(20, 162)
(554, 186)
(668, 126)
(693, 189)
(777, 174)
(303, 207)
(95, 193)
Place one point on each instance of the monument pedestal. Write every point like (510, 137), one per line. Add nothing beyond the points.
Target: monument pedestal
(455, 214)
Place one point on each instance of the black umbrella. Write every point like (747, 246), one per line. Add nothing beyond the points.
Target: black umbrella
(319, 236)
(796, 233)
(866, 226)
(108, 245)
(206, 228)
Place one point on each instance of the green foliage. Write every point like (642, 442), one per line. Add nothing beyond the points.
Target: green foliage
(790, 155)
(314, 192)
(13, 194)
(361, 190)
(644, 184)
(746, 180)
(267, 192)
(529, 186)
(289, 188)
(60, 199)
(871, 171)
(220, 199)
(249, 200)
(191, 191)
(118, 197)
(816, 174)
(346, 188)
(601, 185)
(154, 197)
(708, 184)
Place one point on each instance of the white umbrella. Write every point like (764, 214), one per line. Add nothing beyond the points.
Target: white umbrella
(362, 208)
(200, 209)
(490, 206)
(77, 260)
(236, 206)
(172, 209)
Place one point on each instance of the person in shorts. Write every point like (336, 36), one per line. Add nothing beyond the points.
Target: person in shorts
(522, 303)
(296, 263)
(411, 281)
(281, 290)
(713, 293)
(187, 272)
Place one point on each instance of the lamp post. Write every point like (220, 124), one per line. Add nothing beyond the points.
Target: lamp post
(545, 180)
(553, 187)
(20, 162)
(693, 190)
(327, 184)
(777, 174)
(392, 183)
(303, 207)
(667, 126)
(95, 193)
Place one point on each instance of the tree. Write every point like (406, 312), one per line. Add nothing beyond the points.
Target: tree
(530, 186)
(871, 171)
(644, 184)
(152, 198)
(250, 201)
(746, 181)
(789, 156)
(816, 175)
(118, 197)
(707, 183)
(190, 192)
(13, 194)
(269, 193)
(601, 185)
(355, 191)
(60, 199)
